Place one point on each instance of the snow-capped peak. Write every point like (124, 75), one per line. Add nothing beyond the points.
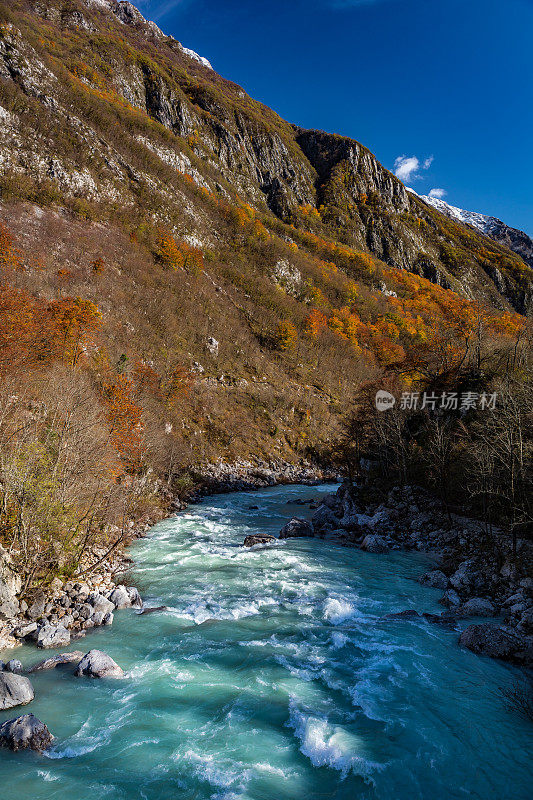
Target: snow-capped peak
(195, 56)
(514, 239)
(480, 221)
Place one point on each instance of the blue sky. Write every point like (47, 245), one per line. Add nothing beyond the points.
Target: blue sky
(447, 82)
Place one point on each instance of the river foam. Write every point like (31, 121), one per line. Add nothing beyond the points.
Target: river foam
(271, 673)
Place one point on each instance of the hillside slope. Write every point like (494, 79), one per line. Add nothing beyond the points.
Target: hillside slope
(186, 276)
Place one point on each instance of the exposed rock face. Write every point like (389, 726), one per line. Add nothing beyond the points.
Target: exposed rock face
(362, 173)
(15, 690)
(230, 139)
(296, 528)
(498, 642)
(254, 539)
(26, 732)
(96, 664)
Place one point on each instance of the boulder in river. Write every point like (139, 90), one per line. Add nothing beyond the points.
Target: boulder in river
(125, 597)
(153, 610)
(296, 528)
(15, 690)
(52, 636)
(57, 661)
(407, 614)
(375, 544)
(498, 641)
(26, 732)
(97, 664)
(258, 538)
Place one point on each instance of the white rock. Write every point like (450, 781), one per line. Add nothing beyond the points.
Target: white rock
(96, 664)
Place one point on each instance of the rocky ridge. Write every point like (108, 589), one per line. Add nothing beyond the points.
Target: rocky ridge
(514, 239)
(220, 138)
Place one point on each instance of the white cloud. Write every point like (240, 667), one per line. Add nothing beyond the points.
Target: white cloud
(406, 168)
(438, 193)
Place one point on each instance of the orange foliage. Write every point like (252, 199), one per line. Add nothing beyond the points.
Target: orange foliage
(35, 332)
(10, 256)
(315, 323)
(125, 416)
(178, 255)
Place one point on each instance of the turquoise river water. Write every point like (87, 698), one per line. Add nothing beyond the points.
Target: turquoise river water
(273, 676)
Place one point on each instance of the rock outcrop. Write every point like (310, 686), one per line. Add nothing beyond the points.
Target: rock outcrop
(69, 609)
(10, 585)
(125, 597)
(498, 642)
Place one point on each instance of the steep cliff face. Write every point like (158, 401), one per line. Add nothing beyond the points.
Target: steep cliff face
(68, 59)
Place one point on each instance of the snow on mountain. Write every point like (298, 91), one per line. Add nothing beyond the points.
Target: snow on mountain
(479, 221)
(195, 56)
(514, 239)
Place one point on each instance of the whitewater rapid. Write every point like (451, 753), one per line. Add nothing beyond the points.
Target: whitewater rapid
(272, 674)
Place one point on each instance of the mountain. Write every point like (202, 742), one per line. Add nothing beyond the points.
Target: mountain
(517, 241)
(108, 103)
(187, 277)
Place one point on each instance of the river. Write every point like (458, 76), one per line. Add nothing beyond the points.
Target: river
(273, 676)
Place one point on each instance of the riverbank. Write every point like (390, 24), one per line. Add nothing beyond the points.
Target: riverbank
(275, 671)
(69, 609)
(475, 568)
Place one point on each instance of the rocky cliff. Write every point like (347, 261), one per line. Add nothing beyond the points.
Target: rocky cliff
(74, 73)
